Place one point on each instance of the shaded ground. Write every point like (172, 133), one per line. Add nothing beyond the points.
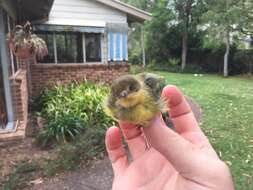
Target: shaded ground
(98, 177)
(12, 153)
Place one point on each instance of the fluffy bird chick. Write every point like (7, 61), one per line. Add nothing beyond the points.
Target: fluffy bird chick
(136, 98)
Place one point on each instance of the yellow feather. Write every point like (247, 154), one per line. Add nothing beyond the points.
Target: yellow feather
(142, 107)
(138, 107)
(133, 99)
(109, 111)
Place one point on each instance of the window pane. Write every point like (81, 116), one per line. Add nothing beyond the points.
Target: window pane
(5, 73)
(3, 113)
(5, 21)
(69, 47)
(6, 30)
(11, 26)
(93, 47)
(48, 38)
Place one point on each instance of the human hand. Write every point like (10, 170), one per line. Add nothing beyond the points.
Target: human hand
(164, 159)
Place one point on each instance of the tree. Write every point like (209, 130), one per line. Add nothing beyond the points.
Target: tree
(221, 21)
(161, 35)
(145, 5)
(187, 17)
(184, 11)
(246, 24)
(169, 24)
(138, 32)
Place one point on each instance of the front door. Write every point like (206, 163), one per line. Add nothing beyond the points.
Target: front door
(3, 113)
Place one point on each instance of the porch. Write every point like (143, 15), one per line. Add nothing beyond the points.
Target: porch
(13, 80)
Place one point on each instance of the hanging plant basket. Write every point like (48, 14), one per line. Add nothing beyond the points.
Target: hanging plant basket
(24, 44)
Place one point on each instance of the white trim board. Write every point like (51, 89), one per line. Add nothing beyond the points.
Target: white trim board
(10, 128)
(128, 9)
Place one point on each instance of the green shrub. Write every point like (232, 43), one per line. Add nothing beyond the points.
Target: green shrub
(174, 62)
(135, 69)
(71, 109)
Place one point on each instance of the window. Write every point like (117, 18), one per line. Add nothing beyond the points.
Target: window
(6, 66)
(68, 47)
(93, 47)
(3, 113)
(9, 25)
(48, 38)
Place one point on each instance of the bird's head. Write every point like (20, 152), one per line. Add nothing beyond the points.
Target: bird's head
(126, 91)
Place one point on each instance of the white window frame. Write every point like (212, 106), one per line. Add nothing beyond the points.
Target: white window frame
(84, 47)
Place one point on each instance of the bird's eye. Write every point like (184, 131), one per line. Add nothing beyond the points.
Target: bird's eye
(131, 88)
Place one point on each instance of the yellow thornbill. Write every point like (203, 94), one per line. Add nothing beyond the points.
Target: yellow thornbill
(136, 98)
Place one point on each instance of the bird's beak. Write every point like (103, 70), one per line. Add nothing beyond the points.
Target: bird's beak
(124, 93)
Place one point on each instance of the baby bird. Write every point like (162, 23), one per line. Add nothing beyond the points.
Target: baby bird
(136, 98)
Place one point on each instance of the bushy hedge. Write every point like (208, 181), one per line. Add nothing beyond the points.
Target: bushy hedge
(70, 110)
(207, 61)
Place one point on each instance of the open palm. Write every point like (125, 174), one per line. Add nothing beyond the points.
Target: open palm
(164, 159)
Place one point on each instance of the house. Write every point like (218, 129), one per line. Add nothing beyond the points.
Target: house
(86, 39)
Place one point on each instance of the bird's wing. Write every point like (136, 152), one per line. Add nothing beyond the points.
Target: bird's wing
(154, 83)
(109, 108)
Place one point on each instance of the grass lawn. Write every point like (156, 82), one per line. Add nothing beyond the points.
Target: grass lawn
(228, 118)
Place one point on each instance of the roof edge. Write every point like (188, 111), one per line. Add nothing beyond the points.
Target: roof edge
(139, 14)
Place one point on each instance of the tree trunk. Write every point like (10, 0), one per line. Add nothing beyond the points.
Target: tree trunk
(226, 56)
(143, 47)
(184, 49)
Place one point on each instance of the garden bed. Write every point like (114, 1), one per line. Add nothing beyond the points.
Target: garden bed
(71, 135)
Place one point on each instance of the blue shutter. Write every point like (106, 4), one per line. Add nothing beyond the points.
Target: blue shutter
(118, 49)
(124, 48)
(111, 46)
(108, 47)
(117, 46)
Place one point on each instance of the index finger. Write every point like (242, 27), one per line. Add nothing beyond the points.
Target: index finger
(182, 117)
(180, 112)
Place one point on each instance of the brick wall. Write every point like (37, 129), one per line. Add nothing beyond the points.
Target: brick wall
(20, 95)
(36, 77)
(47, 75)
(25, 64)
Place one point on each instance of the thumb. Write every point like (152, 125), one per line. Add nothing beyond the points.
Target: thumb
(180, 152)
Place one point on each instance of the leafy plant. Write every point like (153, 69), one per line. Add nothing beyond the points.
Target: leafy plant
(70, 110)
(174, 62)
